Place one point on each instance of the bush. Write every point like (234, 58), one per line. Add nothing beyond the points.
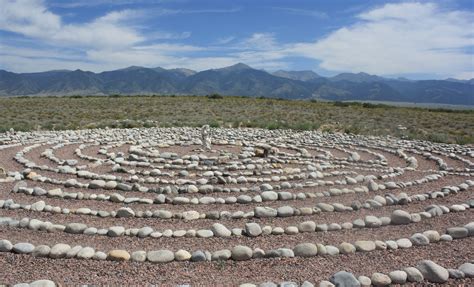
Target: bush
(214, 124)
(215, 96)
(341, 104)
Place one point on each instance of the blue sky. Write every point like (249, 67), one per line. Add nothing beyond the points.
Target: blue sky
(415, 39)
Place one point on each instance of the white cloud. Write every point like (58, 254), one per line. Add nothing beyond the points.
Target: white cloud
(32, 19)
(260, 41)
(402, 38)
(28, 17)
(396, 39)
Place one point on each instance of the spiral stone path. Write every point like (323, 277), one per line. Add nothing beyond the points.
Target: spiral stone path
(261, 208)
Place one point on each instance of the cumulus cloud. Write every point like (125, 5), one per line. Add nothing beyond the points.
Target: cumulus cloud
(398, 38)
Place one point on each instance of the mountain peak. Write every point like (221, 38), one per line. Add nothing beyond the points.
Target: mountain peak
(183, 71)
(131, 68)
(236, 67)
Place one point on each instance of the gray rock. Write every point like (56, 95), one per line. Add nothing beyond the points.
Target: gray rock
(116, 231)
(5, 245)
(123, 187)
(220, 230)
(457, 232)
(446, 237)
(456, 274)
(344, 279)
(306, 284)
(364, 281)
(23, 248)
(253, 229)
(346, 248)
(380, 279)
(334, 227)
(42, 283)
(332, 250)
(285, 252)
(38, 206)
(125, 212)
(116, 197)
(204, 233)
(198, 256)
(160, 256)
(241, 253)
(413, 274)
(98, 183)
(99, 255)
(182, 255)
(307, 226)
(398, 277)
(86, 253)
(285, 211)
(75, 228)
(38, 191)
(90, 231)
(364, 245)
(400, 217)
(266, 187)
(138, 256)
(305, 250)
(325, 283)
(419, 239)
(358, 223)
(41, 251)
(18, 185)
(73, 252)
(224, 254)
(467, 269)
(432, 235)
(470, 228)
(404, 243)
(191, 215)
(288, 284)
(144, 231)
(325, 207)
(59, 250)
(372, 221)
(433, 272)
(35, 224)
(262, 212)
(269, 196)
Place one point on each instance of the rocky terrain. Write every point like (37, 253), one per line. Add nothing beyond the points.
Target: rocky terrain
(259, 208)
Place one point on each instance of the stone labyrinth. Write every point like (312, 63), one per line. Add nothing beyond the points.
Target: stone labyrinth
(260, 208)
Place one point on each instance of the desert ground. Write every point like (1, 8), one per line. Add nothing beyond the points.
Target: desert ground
(257, 207)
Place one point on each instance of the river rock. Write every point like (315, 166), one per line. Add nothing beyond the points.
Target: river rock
(433, 272)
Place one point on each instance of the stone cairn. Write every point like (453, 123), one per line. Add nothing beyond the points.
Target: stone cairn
(290, 187)
(206, 137)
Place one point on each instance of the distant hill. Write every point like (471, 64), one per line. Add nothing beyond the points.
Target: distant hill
(356, 78)
(238, 79)
(297, 75)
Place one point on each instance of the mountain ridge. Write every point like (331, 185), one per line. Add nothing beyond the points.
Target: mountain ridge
(239, 79)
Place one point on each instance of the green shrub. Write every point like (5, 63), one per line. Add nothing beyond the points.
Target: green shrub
(214, 96)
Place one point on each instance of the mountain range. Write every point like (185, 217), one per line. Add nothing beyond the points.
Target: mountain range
(240, 80)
